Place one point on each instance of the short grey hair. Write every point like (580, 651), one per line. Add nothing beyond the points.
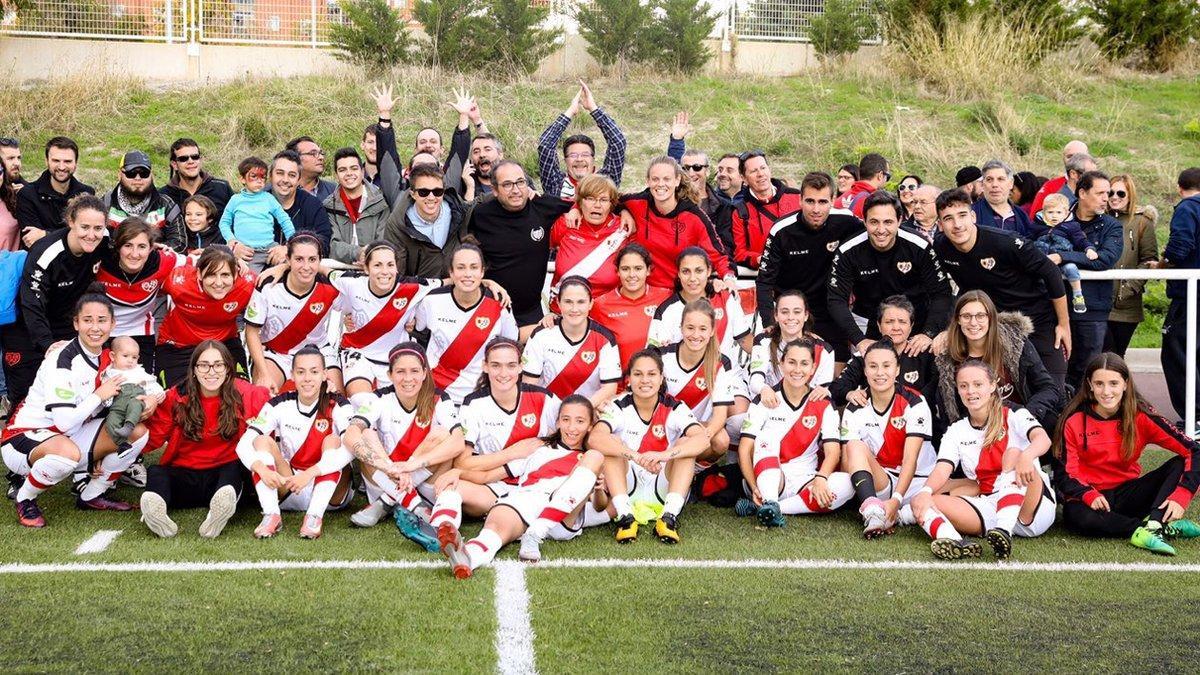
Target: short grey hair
(693, 152)
(992, 164)
(1080, 162)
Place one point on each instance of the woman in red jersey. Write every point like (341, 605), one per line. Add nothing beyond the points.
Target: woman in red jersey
(201, 421)
(626, 311)
(589, 249)
(667, 221)
(208, 299)
(1101, 436)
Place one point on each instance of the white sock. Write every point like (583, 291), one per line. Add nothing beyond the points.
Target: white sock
(574, 490)
(322, 492)
(268, 497)
(673, 504)
(622, 505)
(111, 468)
(45, 472)
(804, 503)
(447, 509)
(768, 473)
(482, 549)
(1008, 502)
(937, 526)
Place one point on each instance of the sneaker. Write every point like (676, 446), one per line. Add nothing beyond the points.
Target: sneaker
(1149, 539)
(135, 475)
(311, 529)
(220, 509)
(627, 530)
(416, 530)
(154, 515)
(744, 508)
(29, 515)
(369, 515)
(270, 526)
(667, 528)
(15, 481)
(531, 548)
(769, 515)
(1001, 542)
(950, 549)
(102, 503)
(874, 518)
(1079, 304)
(452, 547)
(1181, 529)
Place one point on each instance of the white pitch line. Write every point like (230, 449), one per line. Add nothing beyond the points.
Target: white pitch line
(98, 542)
(514, 633)
(570, 563)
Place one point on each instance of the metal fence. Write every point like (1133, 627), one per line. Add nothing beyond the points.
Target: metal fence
(783, 20)
(148, 20)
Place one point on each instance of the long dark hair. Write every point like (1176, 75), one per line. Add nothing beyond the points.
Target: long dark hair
(555, 437)
(652, 354)
(696, 252)
(427, 394)
(1132, 403)
(323, 394)
(189, 415)
(776, 333)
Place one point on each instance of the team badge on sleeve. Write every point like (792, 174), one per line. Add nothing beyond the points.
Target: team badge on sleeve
(904, 267)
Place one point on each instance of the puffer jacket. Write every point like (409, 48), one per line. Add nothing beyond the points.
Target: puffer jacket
(350, 238)
(1140, 246)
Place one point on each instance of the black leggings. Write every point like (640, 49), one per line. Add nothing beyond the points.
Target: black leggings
(1131, 503)
(184, 488)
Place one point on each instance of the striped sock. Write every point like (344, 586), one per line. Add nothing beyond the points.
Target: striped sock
(937, 526)
(447, 509)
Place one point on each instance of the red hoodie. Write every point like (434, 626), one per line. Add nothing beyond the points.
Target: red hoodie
(212, 450)
(752, 222)
(852, 200)
(665, 235)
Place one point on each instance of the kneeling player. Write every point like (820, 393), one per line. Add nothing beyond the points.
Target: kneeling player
(555, 477)
(888, 453)
(294, 449)
(650, 442)
(999, 447)
(781, 447)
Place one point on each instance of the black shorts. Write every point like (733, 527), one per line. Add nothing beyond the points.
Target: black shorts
(828, 331)
(172, 361)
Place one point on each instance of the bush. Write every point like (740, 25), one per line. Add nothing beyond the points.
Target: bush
(617, 30)
(680, 32)
(454, 29)
(898, 15)
(840, 29)
(374, 35)
(1153, 33)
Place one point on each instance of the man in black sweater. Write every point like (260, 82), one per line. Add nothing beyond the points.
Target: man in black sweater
(886, 261)
(40, 204)
(798, 255)
(1014, 274)
(514, 232)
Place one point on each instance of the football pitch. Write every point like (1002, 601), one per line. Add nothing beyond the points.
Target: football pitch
(97, 592)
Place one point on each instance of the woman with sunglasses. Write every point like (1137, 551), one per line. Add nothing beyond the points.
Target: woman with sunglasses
(907, 191)
(1140, 250)
(426, 224)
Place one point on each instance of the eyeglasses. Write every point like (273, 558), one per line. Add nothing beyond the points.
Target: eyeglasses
(195, 157)
(597, 200)
(908, 188)
(695, 167)
(518, 184)
(977, 318)
(580, 155)
(887, 175)
(313, 153)
(136, 172)
(425, 192)
(1119, 194)
(210, 367)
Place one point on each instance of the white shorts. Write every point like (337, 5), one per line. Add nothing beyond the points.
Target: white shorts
(1043, 517)
(500, 488)
(529, 503)
(914, 486)
(284, 361)
(299, 501)
(16, 450)
(646, 486)
(356, 366)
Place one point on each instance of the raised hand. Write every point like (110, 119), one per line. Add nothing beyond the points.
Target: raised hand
(680, 128)
(574, 107)
(384, 101)
(585, 97)
(463, 103)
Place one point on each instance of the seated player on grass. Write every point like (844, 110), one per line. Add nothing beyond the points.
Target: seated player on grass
(293, 449)
(555, 476)
(888, 453)
(781, 448)
(650, 442)
(1101, 437)
(998, 446)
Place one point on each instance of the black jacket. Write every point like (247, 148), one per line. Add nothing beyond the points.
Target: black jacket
(797, 257)
(193, 241)
(39, 205)
(417, 255)
(163, 214)
(52, 282)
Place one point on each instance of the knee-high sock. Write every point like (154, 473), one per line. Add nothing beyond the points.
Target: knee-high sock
(47, 471)
(768, 473)
(447, 509)
(937, 526)
(673, 504)
(268, 497)
(322, 492)
(482, 549)
(563, 501)
(1008, 502)
(864, 485)
(382, 488)
(804, 502)
(111, 468)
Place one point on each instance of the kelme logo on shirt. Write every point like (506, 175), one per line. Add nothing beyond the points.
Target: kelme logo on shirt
(64, 394)
(987, 263)
(809, 421)
(231, 306)
(482, 322)
(904, 267)
(587, 357)
(529, 420)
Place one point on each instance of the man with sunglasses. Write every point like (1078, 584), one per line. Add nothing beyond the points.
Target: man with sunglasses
(995, 209)
(312, 165)
(188, 177)
(135, 195)
(40, 204)
(766, 200)
(579, 150)
(427, 222)
(873, 174)
(717, 199)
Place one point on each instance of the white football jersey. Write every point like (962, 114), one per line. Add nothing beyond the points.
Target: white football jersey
(764, 374)
(886, 432)
(667, 424)
(300, 430)
(962, 446)
(565, 367)
(458, 335)
(545, 469)
(691, 387)
(793, 434)
(489, 428)
(378, 320)
(62, 396)
(398, 427)
(288, 321)
(732, 323)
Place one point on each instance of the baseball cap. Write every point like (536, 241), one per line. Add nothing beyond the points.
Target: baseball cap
(134, 159)
(967, 174)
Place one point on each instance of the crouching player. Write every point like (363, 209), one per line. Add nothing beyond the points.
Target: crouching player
(789, 454)
(555, 477)
(888, 453)
(294, 451)
(997, 446)
(650, 443)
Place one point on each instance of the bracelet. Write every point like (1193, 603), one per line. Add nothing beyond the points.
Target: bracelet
(821, 475)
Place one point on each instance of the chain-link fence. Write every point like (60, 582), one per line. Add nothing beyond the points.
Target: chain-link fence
(785, 20)
(156, 20)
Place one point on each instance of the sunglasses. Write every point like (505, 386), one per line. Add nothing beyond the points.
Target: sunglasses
(138, 172)
(425, 192)
(1119, 194)
(695, 167)
(188, 158)
(908, 188)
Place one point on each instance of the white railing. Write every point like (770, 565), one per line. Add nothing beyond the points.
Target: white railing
(152, 21)
(782, 20)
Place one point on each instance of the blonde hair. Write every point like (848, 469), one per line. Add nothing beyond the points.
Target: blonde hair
(1057, 199)
(685, 191)
(712, 350)
(1130, 188)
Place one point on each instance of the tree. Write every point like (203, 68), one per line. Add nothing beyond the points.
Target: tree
(840, 29)
(454, 27)
(1154, 31)
(617, 30)
(374, 35)
(513, 32)
(679, 34)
